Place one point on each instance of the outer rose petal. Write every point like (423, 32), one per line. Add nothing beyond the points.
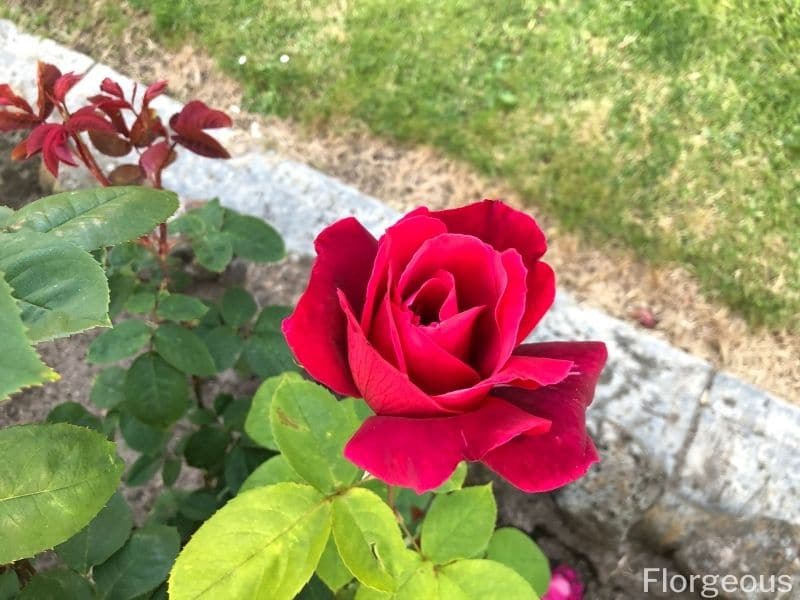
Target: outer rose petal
(422, 453)
(504, 227)
(545, 462)
(317, 329)
(498, 225)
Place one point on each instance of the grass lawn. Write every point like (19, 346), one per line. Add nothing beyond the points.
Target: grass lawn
(672, 126)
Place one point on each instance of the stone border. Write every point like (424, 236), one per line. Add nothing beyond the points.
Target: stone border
(722, 448)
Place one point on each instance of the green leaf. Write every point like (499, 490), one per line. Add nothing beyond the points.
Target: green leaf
(143, 470)
(205, 448)
(198, 506)
(126, 339)
(60, 288)
(120, 287)
(224, 345)
(184, 350)
(236, 469)
(180, 307)
(311, 429)
(156, 393)
(459, 524)
(235, 414)
(275, 470)
(188, 224)
(266, 351)
(459, 580)
(6, 214)
(482, 579)
(141, 303)
(20, 365)
(212, 213)
(213, 251)
(513, 548)
(101, 538)
(53, 480)
(108, 390)
(331, 570)
(456, 480)
(257, 425)
(140, 565)
(75, 414)
(238, 307)
(141, 436)
(9, 585)
(57, 584)
(368, 539)
(171, 471)
(100, 217)
(252, 238)
(315, 589)
(262, 545)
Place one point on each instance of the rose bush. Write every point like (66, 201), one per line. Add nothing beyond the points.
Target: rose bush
(426, 324)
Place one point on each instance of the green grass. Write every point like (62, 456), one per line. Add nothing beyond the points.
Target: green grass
(672, 126)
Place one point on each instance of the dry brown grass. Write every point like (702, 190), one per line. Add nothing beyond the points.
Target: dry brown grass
(610, 278)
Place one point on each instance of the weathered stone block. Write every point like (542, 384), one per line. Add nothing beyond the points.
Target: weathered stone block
(745, 457)
(615, 493)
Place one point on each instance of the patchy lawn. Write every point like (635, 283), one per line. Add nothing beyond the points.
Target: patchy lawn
(672, 126)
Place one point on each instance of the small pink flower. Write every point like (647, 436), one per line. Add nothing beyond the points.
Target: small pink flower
(565, 584)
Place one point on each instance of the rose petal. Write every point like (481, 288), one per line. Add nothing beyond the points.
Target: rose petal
(317, 329)
(387, 390)
(423, 453)
(385, 336)
(541, 284)
(455, 334)
(395, 249)
(430, 367)
(545, 462)
(504, 227)
(498, 225)
(436, 299)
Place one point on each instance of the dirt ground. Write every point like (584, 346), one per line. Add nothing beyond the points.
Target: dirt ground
(665, 299)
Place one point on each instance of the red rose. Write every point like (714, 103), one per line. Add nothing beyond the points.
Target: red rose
(425, 324)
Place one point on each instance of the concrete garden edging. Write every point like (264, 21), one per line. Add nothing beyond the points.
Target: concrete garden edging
(697, 464)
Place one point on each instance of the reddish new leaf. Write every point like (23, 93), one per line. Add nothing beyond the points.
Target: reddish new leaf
(47, 75)
(154, 90)
(196, 115)
(20, 151)
(201, 143)
(109, 86)
(86, 119)
(155, 159)
(9, 98)
(52, 141)
(55, 150)
(109, 144)
(113, 108)
(146, 128)
(189, 124)
(64, 84)
(14, 120)
(127, 174)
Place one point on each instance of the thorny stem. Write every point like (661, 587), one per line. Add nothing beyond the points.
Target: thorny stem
(390, 499)
(90, 162)
(24, 570)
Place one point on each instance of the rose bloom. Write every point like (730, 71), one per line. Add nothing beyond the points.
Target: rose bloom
(426, 325)
(565, 584)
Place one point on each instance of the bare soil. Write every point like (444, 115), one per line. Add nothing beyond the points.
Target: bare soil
(665, 299)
